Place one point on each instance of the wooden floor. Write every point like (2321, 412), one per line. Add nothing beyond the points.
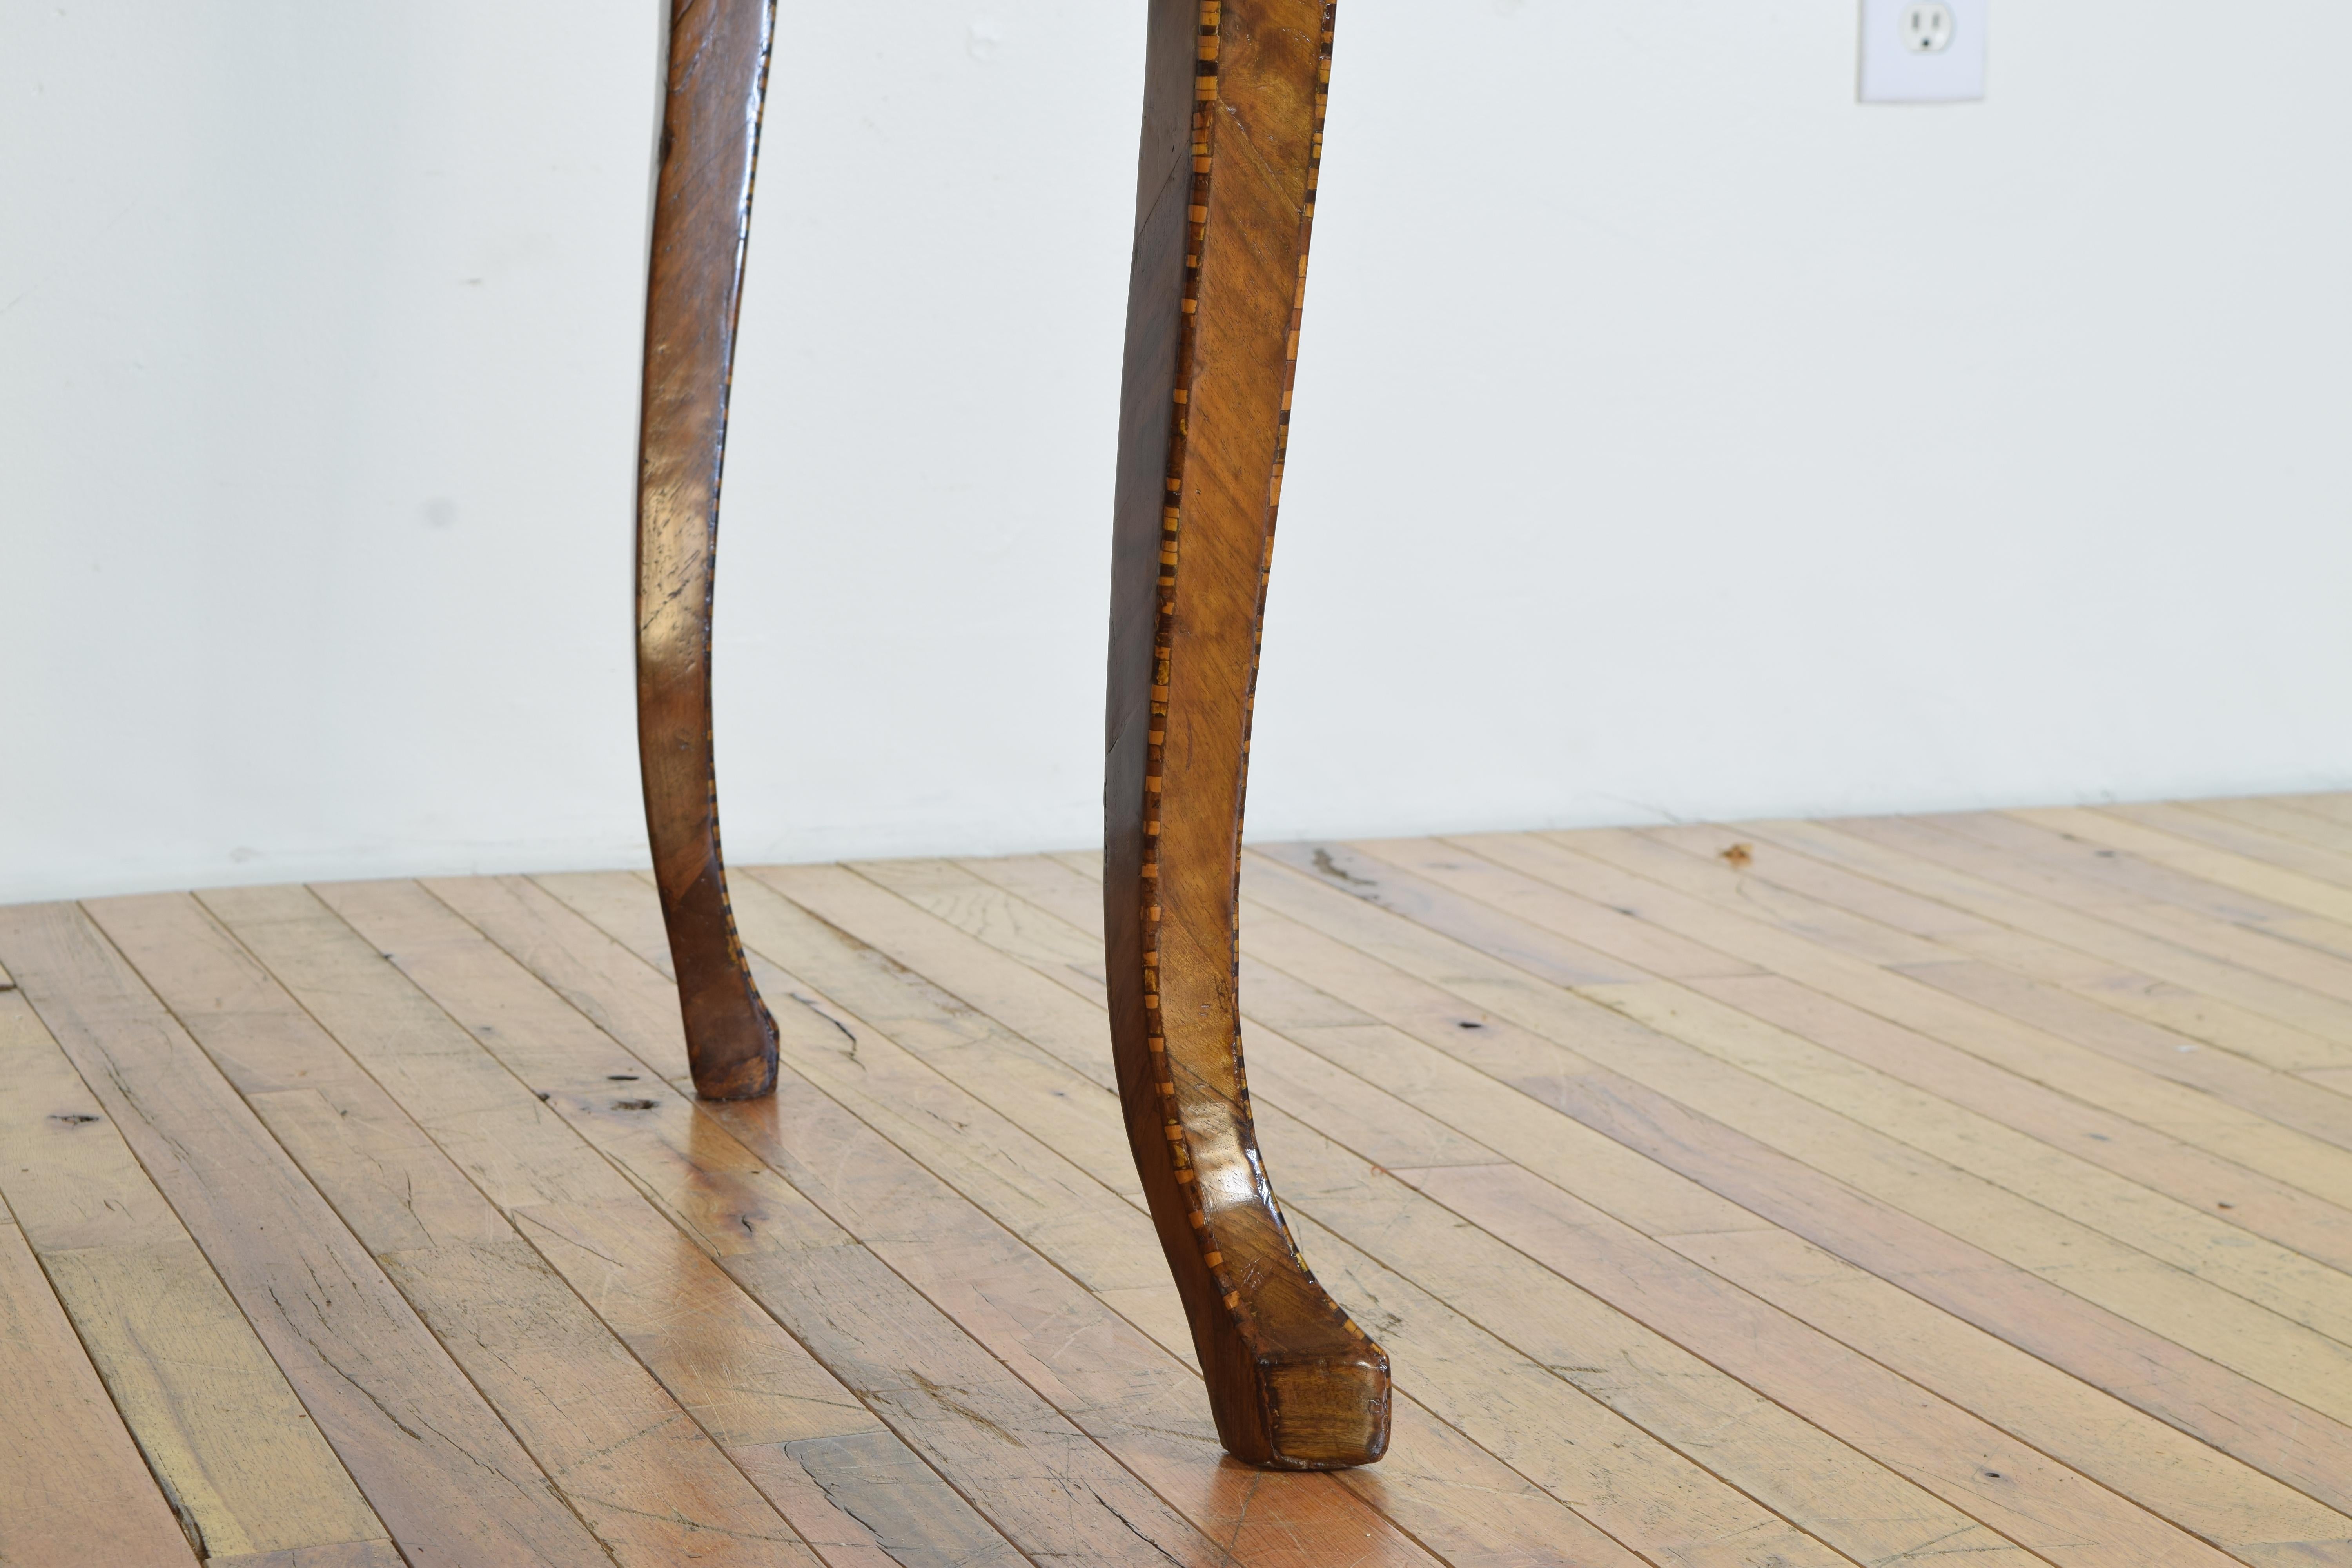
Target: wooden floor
(1867, 1193)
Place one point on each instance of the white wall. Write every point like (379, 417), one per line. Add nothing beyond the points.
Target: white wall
(1675, 437)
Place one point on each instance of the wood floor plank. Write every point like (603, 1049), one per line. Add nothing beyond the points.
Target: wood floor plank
(2301, 949)
(2181, 1229)
(2260, 946)
(932, 1025)
(2306, 951)
(1791, 868)
(1580, 1453)
(2248, 1515)
(1517, 1127)
(1738, 1430)
(215, 1413)
(2285, 852)
(2121, 1214)
(1853, 1140)
(2251, 1516)
(1452, 1496)
(2118, 1115)
(2283, 817)
(1544, 1041)
(2138, 1456)
(2068, 1021)
(2163, 979)
(1456, 1497)
(2185, 1238)
(2042, 1505)
(1143, 1405)
(2245, 1201)
(2334, 805)
(2155, 981)
(1073, 897)
(2078, 872)
(855, 1491)
(2005, 1130)
(615, 903)
(646, 1480)
(1793, 1193)
(350, 1554)
(1642, 1493)
(988, 1059)
(2057, 1525)
(1389, 1132)
(577, 957)
(2311, 951)
(445, 1474)
(850, 1486)
(1101, 1240)
(73, 1490)
(237, 1458)
(1846, 1497)
(1985, 1026)
(1047, 1484)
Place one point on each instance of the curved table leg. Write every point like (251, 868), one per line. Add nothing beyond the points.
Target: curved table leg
(1233, 125)
(702, 213)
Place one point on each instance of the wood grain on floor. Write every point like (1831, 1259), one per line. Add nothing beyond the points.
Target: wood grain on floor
(1791, 1193)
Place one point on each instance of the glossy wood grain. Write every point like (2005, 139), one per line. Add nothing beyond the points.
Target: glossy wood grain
(1233, 105)
(1126, 1394)
(431, 1457)
(969, 1415)
(1820, 1206)
(1428, 1056)
(2043, 1506)
(779, 1412)
(1735, 1137)
(238, 1460)
(612, 1439)
(1338, 1189)
(1016, 1118)
(1006, 1122)
(716, 83)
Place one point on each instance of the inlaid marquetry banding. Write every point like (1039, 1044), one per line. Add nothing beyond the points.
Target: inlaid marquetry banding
(1204, 149)
(727, 903)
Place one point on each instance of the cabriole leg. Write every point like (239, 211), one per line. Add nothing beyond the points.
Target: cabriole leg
(702, 213)
(1233, 123)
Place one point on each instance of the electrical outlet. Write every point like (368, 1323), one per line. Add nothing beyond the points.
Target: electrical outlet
(1922, 51)
(1925, 27)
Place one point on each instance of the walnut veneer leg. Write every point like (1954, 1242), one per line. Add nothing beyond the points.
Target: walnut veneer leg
(702, 215)
(1232, 120)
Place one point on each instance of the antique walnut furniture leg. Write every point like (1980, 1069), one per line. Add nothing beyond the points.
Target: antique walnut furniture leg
(702, 215)
(1232, 120)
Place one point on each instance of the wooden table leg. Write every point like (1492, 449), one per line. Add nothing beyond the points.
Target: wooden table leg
(702, 215)
(1233, 122)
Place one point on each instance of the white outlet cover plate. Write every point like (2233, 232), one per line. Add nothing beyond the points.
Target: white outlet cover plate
(1897, 68)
